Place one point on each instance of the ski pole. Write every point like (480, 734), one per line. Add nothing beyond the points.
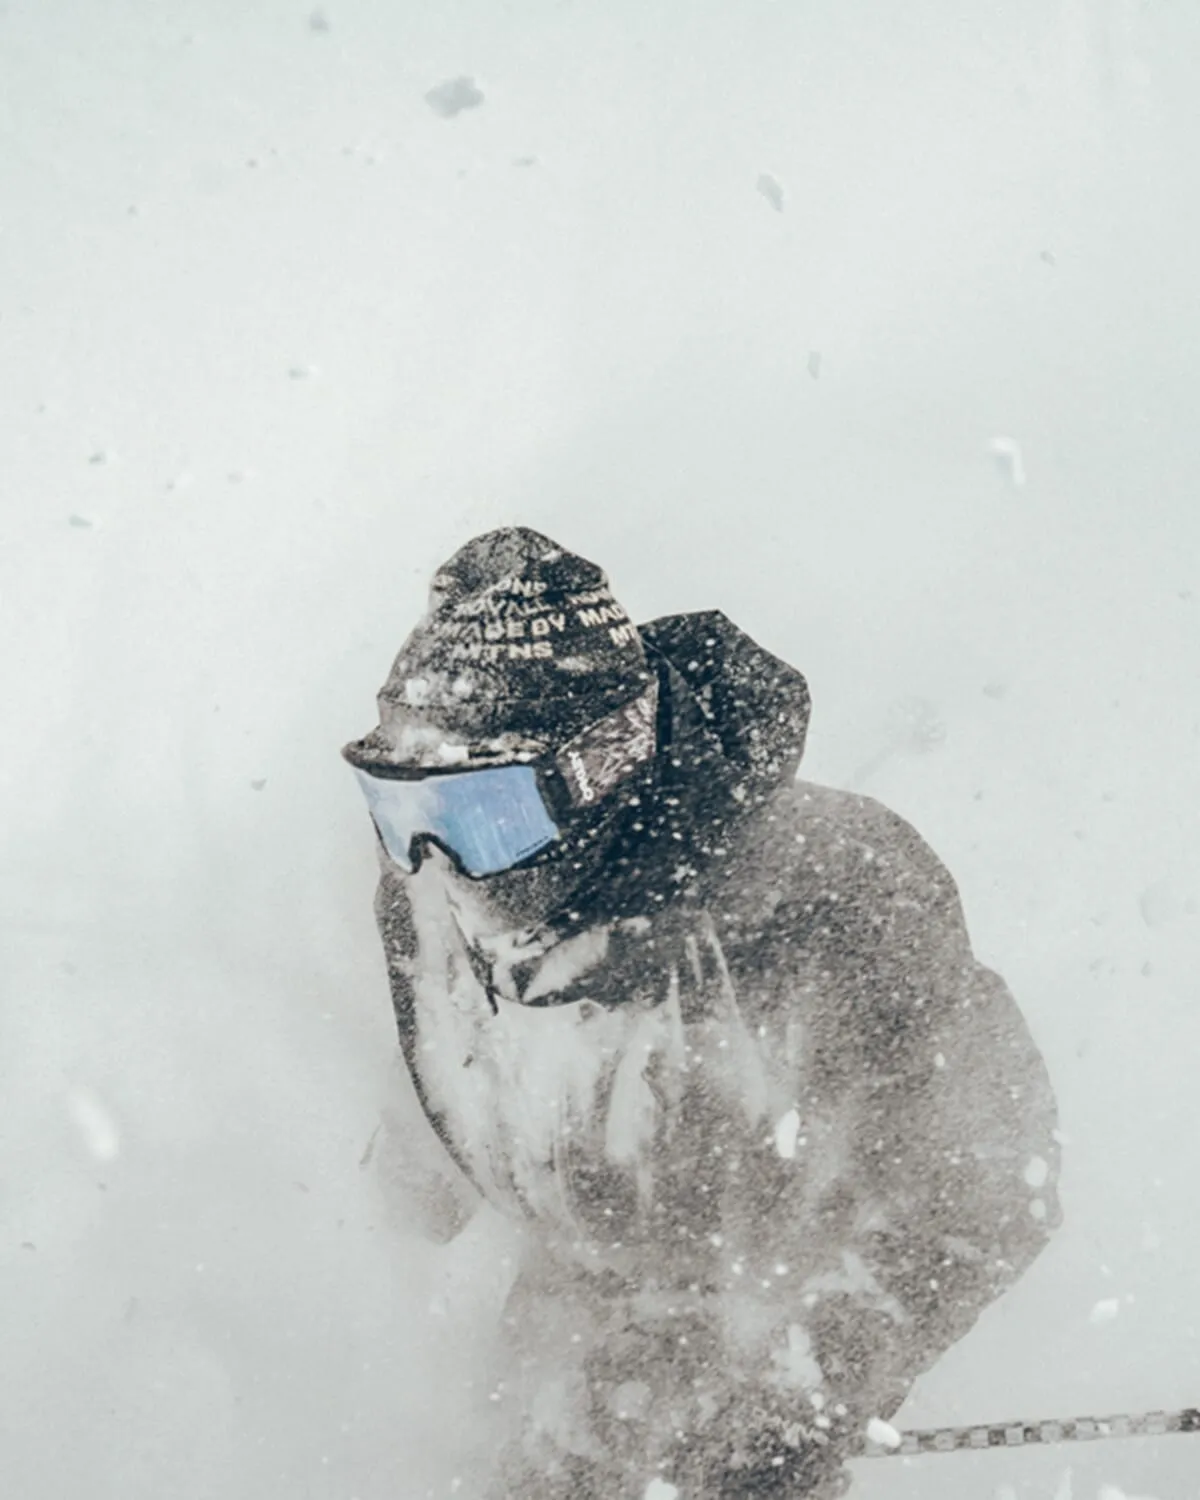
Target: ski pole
(1026, 1434)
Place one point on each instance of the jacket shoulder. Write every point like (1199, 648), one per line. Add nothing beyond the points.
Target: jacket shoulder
(847, 823)
(858, 932)
(755, 704)
(841, 853)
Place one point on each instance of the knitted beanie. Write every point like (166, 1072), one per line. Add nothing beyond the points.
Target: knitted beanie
(521, 641)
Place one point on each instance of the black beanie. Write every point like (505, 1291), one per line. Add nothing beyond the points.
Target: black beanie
(521, 639)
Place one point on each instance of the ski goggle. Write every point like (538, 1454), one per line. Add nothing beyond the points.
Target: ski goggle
(489, 820)
(497, 817)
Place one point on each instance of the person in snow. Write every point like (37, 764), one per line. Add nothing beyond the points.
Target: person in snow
(714, 1034)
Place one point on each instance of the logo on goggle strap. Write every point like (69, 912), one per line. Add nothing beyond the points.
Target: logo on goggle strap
(587, 792)
(607, 752)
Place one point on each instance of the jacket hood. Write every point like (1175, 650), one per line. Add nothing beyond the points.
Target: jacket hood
(732, 725)
(755, 706)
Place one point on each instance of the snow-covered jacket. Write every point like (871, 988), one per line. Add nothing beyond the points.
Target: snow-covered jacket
(761, 1061)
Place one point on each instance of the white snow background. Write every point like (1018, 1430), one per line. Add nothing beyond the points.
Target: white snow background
(873, 325)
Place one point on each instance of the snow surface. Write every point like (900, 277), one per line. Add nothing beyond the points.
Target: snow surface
(737, 300)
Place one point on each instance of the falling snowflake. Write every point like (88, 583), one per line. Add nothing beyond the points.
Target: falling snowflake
(453, 96)
(771, 189)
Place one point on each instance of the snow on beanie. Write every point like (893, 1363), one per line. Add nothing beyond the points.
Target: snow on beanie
(520, 638)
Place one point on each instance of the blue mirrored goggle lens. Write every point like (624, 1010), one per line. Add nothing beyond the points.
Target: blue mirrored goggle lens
(490, 820)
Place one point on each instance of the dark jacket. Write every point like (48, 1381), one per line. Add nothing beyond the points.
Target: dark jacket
(758, 1060)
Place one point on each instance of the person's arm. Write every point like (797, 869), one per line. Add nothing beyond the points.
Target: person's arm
(421, 1186)
(422, 1183)
(956, 1138)
(986, 1120)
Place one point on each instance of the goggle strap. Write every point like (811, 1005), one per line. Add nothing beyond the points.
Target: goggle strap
(609, 751)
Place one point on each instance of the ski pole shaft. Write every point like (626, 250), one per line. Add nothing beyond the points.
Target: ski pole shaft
(1026, 1434)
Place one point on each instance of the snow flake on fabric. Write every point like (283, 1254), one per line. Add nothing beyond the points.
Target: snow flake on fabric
(797, 1364)
(857, 1280)
(631, 1400)
(659, 1489)
(1037, 1171)
(883, 1433)
(567, 963)
(787, 1131)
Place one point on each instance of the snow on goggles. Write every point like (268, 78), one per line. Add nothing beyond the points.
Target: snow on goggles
(496, 817)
